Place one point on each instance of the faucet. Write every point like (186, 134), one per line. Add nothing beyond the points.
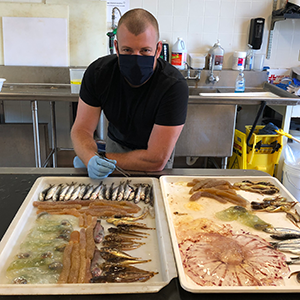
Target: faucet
(211, 78)
(189, 68)
(111, 34)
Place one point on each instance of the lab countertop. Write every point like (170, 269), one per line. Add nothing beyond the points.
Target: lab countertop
(15, 183)
(62, 92)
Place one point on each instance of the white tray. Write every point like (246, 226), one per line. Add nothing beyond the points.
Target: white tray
(158, 246)
(176, 195)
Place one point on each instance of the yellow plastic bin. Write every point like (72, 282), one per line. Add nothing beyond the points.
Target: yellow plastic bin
(263, 154)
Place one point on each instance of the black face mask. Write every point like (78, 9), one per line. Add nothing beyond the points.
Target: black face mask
(137, 69)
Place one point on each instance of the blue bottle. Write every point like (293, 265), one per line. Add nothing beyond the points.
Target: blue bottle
(240, 83)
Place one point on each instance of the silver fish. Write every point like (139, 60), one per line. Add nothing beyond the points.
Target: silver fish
(108, 192)
(280, 230)
(149, 194)
(114, 193)
(95, 192)
(98, 232)
(51, 192)
(55, 196)
(132, 194)
(82, 191)
(88, 193)
(101, 194)
(137, 196)
(76, 192)
(63, 192)
(143, 191)
(43, 193)
(70, 191)
(128, 190)
(121, 191)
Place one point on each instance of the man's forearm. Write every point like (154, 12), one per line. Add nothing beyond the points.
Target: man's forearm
(138, 160)
(84, 145)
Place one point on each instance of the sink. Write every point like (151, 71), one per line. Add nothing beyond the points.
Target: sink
(213, 91)
(196, 91)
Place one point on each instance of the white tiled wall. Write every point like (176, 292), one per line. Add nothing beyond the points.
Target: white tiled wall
(201, 22)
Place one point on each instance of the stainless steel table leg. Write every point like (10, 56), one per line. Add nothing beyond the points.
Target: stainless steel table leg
(53, 133)
(36, 135)
(224, 162)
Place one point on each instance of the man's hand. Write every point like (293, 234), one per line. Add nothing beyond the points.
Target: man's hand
(99, 168)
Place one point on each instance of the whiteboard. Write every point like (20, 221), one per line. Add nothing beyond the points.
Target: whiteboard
(35, 41)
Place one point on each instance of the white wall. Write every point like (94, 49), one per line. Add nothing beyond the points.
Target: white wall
(201, 22)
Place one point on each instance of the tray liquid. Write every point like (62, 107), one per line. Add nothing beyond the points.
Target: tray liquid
(157, 245)
(176, 199)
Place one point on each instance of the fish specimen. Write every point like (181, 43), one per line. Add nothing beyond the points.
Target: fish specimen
(116, 256)
(273, 204)
(41, 254)
(280, 233)
(123, 191)
(260, 187)
(212, 259)
(98, 232)
(243, 216)
(119, 273)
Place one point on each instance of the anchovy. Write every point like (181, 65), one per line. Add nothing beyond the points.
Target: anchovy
(137, 196)
(51, 192)
(108, 192)
(82, 191)
(76, 192)
(95, 192)
(114, 193)
(128, 190)
(55, 196)
(101, 194)
(88, 193)
(98, 232)
(43, 194)
(63, 192)
(70, 191)
(121, 191)
(148, 194)
(143, 191)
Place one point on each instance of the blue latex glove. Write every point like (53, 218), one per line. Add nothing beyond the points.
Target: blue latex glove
(99, 168)
(77, 163)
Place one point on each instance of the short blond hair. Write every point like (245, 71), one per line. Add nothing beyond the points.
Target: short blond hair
(137, 20)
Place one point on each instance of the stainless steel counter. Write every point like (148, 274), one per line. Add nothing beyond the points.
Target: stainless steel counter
(226, 108)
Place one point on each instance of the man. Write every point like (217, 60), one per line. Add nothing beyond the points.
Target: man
(143, 98)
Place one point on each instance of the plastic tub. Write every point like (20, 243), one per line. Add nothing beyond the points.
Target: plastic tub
(291, 179)
(75, 79)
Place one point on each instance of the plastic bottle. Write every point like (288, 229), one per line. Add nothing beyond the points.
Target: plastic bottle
(164, 54)
(240, 83)
(218, 53)
(249, 58)
(179, 54)
(238, 61)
